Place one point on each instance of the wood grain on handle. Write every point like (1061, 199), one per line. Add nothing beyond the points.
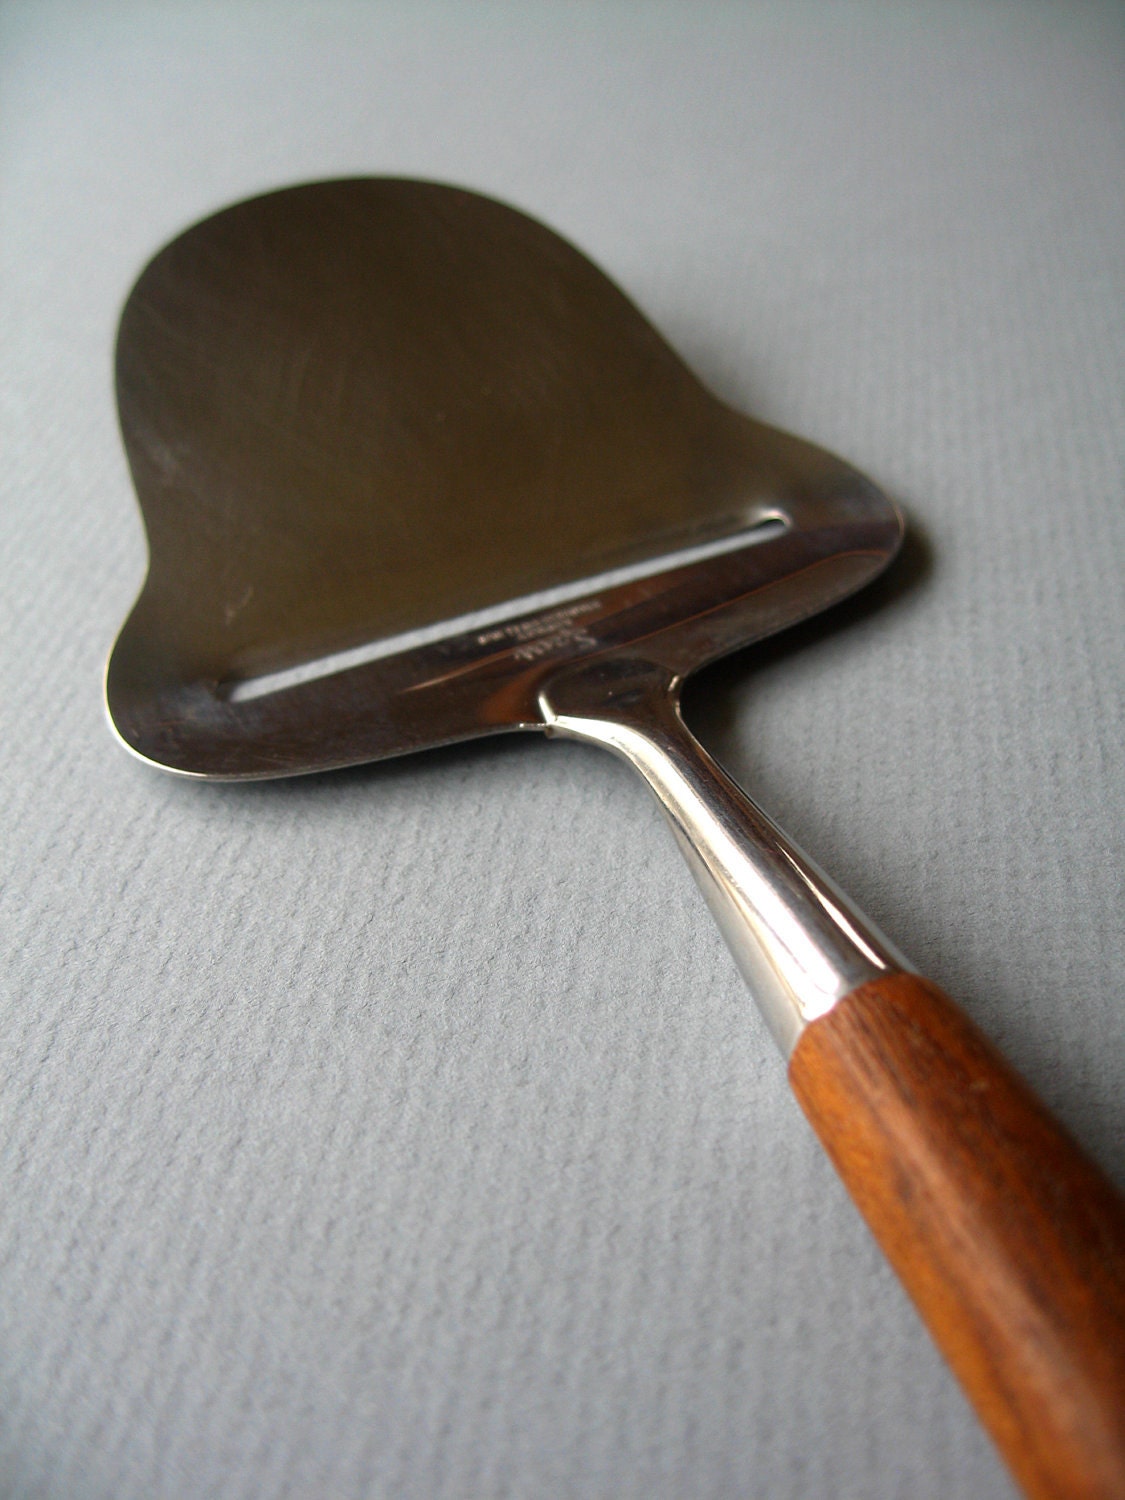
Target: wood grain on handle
(1010, 1241)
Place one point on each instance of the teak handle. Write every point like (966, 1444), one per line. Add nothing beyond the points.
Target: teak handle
(1010, 1241)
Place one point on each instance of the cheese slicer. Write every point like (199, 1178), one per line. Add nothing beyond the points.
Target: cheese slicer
(413, 470)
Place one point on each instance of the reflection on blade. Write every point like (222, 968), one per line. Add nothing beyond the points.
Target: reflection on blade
(497, 614)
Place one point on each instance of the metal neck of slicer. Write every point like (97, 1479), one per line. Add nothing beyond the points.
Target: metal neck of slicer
(800, 943)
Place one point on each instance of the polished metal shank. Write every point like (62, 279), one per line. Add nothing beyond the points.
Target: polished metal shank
(800, 943)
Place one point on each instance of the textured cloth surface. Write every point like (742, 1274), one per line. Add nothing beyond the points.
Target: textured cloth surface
(408, 1132)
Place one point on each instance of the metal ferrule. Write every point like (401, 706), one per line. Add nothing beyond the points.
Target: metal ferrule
(800, 943)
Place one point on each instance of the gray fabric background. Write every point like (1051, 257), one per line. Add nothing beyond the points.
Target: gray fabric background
(408, 1132)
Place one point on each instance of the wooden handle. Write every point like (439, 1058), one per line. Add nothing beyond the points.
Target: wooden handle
(1010, 1241)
